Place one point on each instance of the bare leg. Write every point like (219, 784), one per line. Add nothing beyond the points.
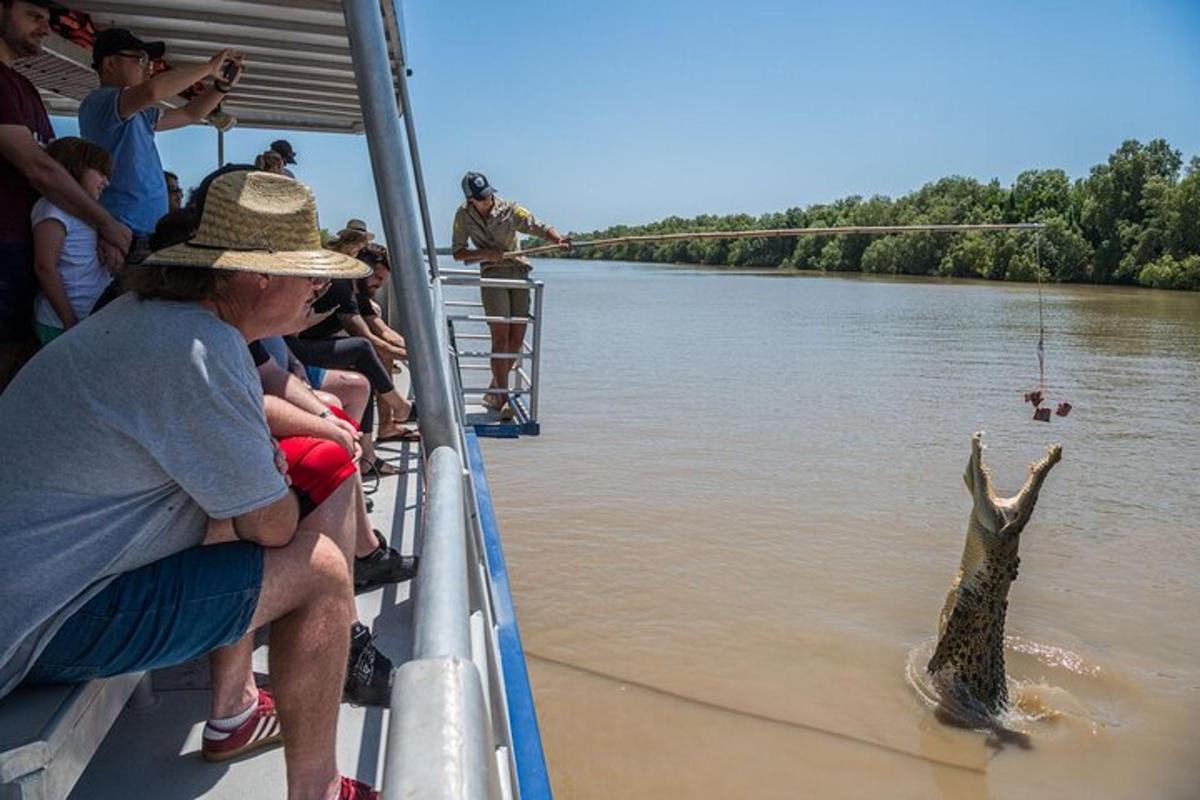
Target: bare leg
(307, 597)
(336, 517)
(516, 339)
(499, 332)
(233, 688)
(344, 516)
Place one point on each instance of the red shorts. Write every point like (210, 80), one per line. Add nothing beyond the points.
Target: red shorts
(316, 467)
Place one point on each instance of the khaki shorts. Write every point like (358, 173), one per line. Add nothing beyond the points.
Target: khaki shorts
(502, 302)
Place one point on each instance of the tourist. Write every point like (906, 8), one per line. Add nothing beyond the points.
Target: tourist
(125, 112)
(284, 148)
(174, 191)
(179, 515)
(26, 172)
(66, 258)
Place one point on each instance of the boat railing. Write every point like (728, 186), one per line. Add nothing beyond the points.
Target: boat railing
(472, 354)
(444, 738)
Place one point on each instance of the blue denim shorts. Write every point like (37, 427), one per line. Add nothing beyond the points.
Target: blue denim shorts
(162, 614)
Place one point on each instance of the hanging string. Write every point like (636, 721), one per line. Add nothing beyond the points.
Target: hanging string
(1041, 347)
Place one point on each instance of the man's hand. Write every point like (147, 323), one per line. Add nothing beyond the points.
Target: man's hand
(490, 255)
(564, 243)
(388, 353)
(281, 463)
(344, 434)
(115, 241)
(216, 66)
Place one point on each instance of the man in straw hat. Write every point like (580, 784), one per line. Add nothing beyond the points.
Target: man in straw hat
(155, 403)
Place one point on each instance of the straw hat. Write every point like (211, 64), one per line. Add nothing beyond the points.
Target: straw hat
(259, 222)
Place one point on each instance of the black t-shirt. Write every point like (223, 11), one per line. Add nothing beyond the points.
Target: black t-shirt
(344, 297)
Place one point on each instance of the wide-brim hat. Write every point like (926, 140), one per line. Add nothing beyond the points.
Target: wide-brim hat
(355, 226)
(259, 222)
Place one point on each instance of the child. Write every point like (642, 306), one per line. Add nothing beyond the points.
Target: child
(65, 258)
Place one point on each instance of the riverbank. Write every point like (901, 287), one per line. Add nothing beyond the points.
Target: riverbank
(1133, 220)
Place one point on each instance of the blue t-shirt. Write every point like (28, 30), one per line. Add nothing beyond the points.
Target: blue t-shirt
(137, 191)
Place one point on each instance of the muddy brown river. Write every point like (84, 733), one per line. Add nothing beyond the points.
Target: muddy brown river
(730, 546)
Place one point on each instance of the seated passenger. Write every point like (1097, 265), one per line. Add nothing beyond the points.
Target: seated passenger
(340, 388)
(376, 257)
(324, 345)
(66, 256)
(321, 444)
(155, 403)
(270, 161)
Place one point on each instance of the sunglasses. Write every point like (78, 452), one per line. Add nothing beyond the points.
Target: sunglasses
(142, 57)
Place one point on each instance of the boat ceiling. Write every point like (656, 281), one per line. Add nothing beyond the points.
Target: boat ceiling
(298, 75)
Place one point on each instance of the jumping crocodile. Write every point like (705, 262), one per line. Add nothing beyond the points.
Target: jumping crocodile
(967, 666)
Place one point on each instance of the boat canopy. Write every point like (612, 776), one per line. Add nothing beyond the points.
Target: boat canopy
(299, 73)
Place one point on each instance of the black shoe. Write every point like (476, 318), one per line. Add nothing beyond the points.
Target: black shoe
(383, 565)
(369, 675)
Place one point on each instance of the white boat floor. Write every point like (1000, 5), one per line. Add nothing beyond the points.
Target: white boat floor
(155, 752)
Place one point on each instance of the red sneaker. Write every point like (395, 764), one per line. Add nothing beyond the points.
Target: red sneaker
(261, 730)
(356, 790)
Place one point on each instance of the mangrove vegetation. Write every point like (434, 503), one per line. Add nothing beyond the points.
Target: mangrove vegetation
(1135, 219)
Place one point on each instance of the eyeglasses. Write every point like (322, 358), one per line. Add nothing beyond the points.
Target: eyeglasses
(142, 57)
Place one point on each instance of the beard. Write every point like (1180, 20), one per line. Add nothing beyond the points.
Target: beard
(22, 47)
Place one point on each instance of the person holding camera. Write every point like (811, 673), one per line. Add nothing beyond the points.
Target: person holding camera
(125, 112)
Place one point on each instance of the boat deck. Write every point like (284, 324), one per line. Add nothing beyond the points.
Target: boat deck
(155, 751)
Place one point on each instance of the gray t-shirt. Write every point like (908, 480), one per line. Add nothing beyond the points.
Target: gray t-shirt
(117, 441)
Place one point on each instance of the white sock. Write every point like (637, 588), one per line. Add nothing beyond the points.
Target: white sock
(233, 723)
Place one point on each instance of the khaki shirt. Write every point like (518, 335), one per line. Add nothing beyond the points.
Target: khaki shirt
(498, 231)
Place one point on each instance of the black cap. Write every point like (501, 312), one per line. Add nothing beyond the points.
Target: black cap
(113, 40)
(284, 148)
(475, 185)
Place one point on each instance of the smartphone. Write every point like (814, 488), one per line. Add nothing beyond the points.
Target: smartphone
(229, 71)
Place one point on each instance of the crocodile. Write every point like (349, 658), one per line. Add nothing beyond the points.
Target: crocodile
(967, 666)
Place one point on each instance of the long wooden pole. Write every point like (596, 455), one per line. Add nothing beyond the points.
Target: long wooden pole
(776, 233)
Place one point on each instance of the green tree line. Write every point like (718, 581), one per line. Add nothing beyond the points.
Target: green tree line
(1134, 219)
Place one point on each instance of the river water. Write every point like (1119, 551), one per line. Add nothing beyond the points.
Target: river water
(739, 525)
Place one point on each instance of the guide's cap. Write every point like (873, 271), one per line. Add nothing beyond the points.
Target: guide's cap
(475, 185)
(111, 41)
(284, 148)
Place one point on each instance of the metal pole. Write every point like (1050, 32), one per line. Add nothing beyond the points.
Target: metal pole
(410, 283)
(442, 628)
(414, 154)
(220, 148)
(534, 380)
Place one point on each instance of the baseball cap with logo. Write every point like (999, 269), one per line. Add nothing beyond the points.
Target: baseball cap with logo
(111, 41)
(475, 185)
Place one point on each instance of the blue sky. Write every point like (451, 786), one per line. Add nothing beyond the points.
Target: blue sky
(594, 114)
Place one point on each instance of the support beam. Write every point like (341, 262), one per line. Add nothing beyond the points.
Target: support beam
(393, 182)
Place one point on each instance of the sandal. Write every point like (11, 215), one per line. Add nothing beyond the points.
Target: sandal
(399, 435)
(381, 468)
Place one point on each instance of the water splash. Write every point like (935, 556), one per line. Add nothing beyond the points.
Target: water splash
(1045, 684)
